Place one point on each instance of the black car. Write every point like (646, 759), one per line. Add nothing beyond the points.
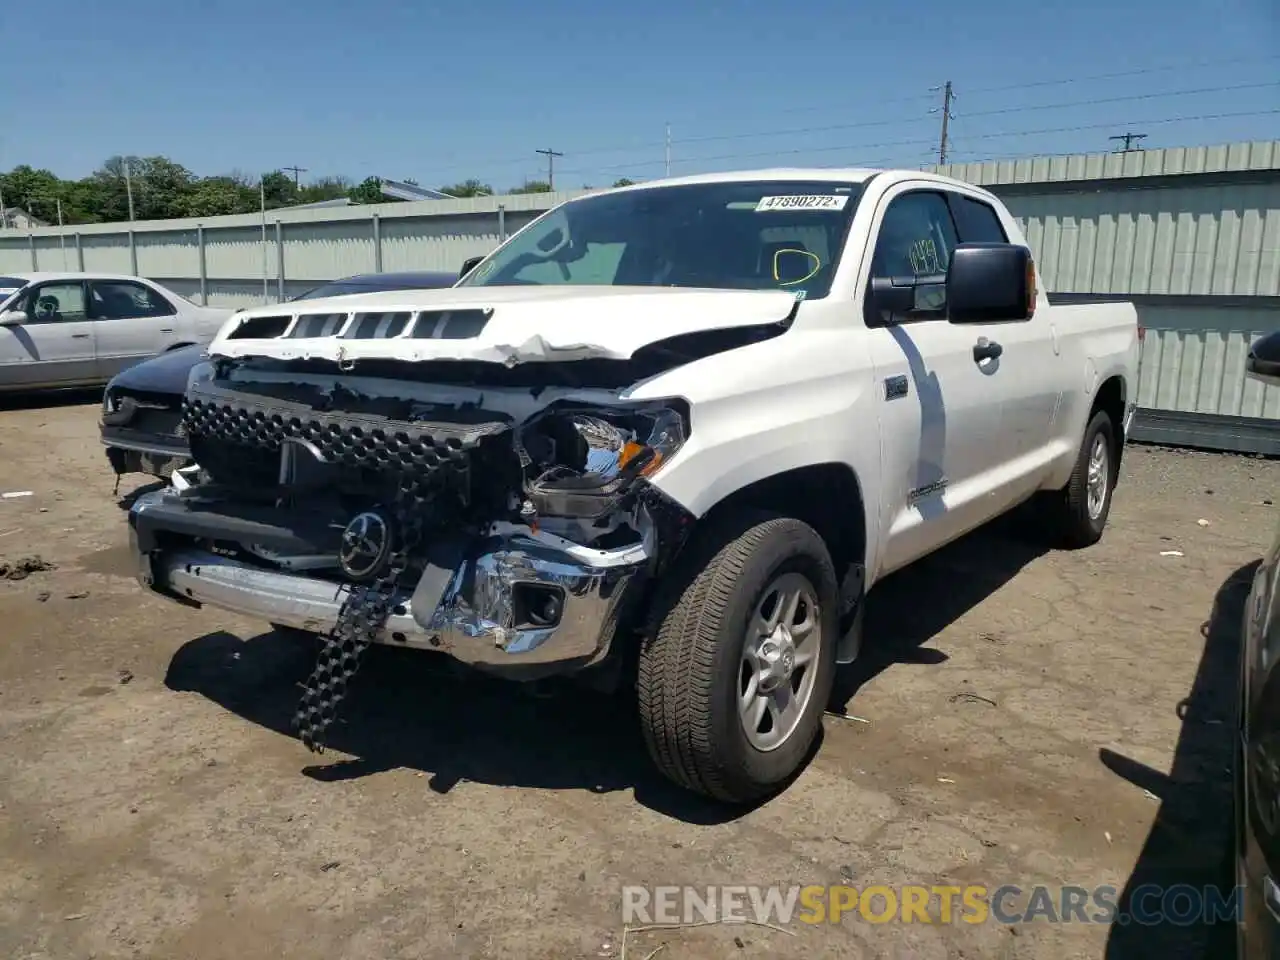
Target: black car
(1257, 766)
(142, 406)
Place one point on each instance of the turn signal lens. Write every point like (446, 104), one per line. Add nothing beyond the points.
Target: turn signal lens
(1031, 288)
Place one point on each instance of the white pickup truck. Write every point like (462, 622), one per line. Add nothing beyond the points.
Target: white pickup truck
(667, 435)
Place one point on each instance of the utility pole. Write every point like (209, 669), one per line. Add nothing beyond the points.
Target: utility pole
(128, 188)
(948, 98)
(551, 166)
(1128, 139)
(295, 171)
(668, 152)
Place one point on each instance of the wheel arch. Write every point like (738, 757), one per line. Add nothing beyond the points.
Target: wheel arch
(829, 497)
(1112, 397)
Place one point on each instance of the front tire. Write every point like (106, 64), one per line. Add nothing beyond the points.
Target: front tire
(1078, 512)
(735, 676)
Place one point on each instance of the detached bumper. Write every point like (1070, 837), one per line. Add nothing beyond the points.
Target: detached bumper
(140, 451)
(482, 601)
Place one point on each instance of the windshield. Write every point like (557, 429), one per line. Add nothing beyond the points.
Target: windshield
(761, 235)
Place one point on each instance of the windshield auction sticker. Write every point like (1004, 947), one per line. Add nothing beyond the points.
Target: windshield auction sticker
(803, 202)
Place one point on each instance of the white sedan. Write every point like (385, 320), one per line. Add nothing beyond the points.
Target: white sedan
(81, 329)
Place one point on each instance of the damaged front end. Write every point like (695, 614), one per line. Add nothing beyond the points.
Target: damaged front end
(513, 534)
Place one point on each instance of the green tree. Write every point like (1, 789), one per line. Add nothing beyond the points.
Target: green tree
(368, 190)
(278, 190)
(217, 196)
(623, 182)
(532, 186)
(468, 188)
(326, 188)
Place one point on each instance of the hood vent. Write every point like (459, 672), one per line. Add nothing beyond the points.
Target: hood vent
(450, 324)
(260, 328)
(368, 325)
(377, 326)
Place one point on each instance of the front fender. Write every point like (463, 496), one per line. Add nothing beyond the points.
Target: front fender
(736, 441)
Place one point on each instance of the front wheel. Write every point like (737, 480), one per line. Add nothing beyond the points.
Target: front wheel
(734, 677)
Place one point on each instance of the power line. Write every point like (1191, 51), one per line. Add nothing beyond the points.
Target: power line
(827, 128)
(1073, 128)
(1098, 101)
(1205, 117)
(1035, 84)
(295, 171)
(1145, 71)
(666, 145)
(982, 113)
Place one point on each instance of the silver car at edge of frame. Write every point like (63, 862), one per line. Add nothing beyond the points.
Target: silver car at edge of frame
(62, 330)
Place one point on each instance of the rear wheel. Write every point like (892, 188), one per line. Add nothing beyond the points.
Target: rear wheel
(734, 678)
(1078, 512)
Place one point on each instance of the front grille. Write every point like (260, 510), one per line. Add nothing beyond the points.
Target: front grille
(237, 437)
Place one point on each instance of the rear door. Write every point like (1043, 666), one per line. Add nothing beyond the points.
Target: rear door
(54, 345)
(134, 322)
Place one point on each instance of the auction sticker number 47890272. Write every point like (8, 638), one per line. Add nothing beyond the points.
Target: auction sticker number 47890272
(803, 202)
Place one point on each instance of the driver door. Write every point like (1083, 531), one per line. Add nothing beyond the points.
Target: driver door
(54, 345)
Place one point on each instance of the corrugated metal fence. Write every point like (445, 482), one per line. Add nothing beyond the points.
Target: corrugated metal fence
(1191, 235)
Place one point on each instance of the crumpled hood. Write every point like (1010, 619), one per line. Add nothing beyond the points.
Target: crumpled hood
(508, 325)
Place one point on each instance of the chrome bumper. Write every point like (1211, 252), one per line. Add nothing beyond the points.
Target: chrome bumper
(469, 614)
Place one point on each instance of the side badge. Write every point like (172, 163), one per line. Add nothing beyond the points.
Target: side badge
(895, 387)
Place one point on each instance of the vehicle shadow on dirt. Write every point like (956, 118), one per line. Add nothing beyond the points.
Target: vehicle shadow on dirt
(41, 399)
(913, 605)
(410, 709)
(1190, 842)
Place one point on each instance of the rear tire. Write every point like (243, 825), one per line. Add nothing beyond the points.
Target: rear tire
(1078, 512)
(753, 602)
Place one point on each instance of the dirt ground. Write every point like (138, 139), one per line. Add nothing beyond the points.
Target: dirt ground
(1021, 717)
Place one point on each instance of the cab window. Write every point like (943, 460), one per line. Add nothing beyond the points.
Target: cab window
(916, 239)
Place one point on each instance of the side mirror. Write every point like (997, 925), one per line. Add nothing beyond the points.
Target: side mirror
(468, 265)
(1263, 361)
(991, 283)
(12, 318)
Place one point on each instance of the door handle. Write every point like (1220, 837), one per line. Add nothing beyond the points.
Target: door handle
(166, 329)
(986, 349)
(80, 336)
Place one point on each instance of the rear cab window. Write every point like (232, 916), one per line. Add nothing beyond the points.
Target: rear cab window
(976, 221)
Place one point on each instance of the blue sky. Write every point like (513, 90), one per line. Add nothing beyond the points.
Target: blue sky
(442, 92)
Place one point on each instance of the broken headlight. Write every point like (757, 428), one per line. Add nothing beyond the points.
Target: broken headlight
(581, 462)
